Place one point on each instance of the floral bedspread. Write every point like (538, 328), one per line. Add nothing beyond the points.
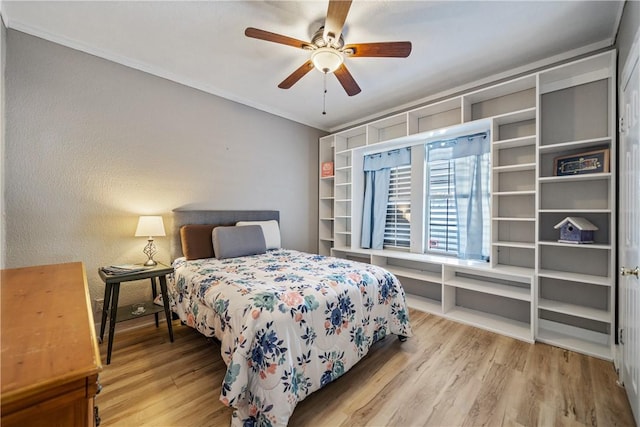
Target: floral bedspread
(288, 322)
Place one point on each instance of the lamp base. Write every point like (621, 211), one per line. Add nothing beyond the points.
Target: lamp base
(150, 251)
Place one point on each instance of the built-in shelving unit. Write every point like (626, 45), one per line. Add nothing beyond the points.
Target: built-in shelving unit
(326, 194)
(576, 281)
(534, 287)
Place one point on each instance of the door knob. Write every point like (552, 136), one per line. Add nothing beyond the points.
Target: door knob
(630, 271)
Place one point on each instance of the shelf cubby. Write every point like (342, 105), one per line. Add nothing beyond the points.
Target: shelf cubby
(499, 314)
(425, 271)
(523, 141)
(576, 339)
(387, 129)
(571, 193)
(571, 114)
(576, 259)
(515, 95)
(548, 220)
(350, 139)
(520, 206)
(435, 116)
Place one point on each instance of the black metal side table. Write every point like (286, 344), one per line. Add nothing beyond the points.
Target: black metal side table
(112, 289)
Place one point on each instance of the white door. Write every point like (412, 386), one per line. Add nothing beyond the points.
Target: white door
(629, 241)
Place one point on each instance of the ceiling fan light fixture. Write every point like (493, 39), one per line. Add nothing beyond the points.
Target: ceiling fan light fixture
(327, 59)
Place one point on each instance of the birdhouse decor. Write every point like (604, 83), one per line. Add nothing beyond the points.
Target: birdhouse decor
(575, 230)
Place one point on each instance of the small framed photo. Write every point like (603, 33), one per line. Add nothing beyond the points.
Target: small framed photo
(596, 161)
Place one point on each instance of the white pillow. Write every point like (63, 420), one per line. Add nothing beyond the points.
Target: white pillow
(270, 229)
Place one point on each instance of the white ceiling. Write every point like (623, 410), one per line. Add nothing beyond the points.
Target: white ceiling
(202, 44)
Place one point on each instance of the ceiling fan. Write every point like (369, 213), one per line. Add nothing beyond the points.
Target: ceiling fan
(328, 49)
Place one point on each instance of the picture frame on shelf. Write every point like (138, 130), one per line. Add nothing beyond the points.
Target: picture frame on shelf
(595, 161)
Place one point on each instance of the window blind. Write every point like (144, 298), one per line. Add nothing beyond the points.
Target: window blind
(442, 222)
(397, 231)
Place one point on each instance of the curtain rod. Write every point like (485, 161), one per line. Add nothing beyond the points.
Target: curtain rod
(483, 134)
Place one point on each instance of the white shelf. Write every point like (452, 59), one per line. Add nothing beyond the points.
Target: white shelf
(576, 245)
(326, 239)
(573, 145)
(582, 71)
(411, 273)
(574, 310)
(515, 168)
(327, 219)
(343, 249)
(427, 305)
(502, 89)
(573, 178)
(516, 116)
(514, 193)
(572, 342)
(513, 218)
(327, 198)
(514, 292)
(522, 141)
(492, 322)
(522, 245)
(569, 211)
(576, 277)
(515, 271)
(343, 184)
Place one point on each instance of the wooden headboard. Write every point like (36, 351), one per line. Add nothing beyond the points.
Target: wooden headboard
(183, 217)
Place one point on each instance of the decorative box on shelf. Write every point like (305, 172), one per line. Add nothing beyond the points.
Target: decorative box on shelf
(327, 169)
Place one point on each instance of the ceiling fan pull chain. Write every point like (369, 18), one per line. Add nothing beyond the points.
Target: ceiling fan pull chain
(324, 94)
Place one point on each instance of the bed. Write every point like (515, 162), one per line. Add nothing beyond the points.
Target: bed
(288, 322)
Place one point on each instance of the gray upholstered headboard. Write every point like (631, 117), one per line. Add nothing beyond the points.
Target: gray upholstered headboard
(184, 217)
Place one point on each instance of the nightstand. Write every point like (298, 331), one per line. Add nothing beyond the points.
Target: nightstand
(112, 289)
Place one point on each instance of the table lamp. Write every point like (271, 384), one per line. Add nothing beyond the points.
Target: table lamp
(150, 226)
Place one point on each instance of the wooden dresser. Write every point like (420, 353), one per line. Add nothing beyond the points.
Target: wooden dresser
(50, 357)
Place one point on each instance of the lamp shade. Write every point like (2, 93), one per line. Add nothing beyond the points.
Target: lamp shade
(150, 226)
(327, 59)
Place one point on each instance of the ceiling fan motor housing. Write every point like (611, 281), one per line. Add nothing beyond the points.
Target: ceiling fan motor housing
(318, 40)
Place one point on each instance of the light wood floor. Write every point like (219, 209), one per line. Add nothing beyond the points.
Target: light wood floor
(448, 374)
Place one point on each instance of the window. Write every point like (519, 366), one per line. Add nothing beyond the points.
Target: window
(442, 216)
(450, 194)
(457, 199)
(397, 228)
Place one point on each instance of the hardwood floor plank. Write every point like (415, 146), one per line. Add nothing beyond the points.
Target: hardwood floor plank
(611, 409)
(448, 374)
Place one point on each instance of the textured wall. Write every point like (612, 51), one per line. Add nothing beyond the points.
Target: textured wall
(3, 49)
(92, 144)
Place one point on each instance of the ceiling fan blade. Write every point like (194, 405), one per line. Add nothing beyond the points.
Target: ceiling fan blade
(275, 38)
(336, 15)
(296, 75)
(384, 49)
(347, 81)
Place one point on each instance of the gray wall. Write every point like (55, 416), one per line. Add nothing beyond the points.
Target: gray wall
(3, 220)
(91, 144)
